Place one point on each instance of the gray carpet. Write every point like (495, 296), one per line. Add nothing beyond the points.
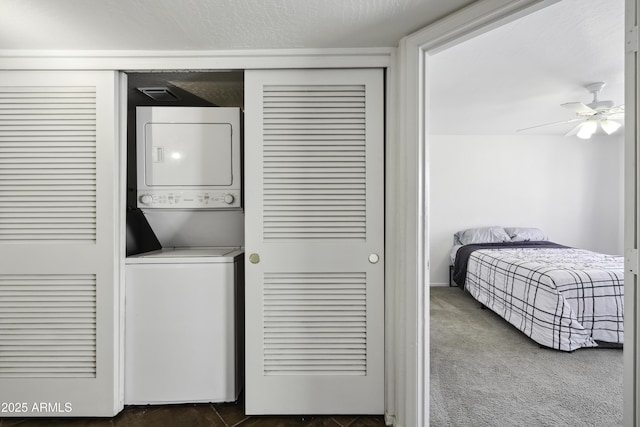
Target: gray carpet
(484, 372)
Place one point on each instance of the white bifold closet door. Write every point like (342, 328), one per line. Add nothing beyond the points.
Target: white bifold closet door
(314, 210)
(58, 244)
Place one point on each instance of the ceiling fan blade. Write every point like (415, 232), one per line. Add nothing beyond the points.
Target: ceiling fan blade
(579, 108)
(551, 124)
(616, 116)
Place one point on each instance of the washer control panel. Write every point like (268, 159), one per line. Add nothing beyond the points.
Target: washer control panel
(189, 199)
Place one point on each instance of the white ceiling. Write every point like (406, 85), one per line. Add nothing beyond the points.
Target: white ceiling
(516, 76)
(213, 24)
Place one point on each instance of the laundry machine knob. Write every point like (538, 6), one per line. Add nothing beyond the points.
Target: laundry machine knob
(228, 198)
(145, 199)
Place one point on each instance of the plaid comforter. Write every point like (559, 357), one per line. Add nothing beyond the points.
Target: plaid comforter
(563, 298)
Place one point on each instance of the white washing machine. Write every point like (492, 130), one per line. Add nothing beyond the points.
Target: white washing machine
(183, 326)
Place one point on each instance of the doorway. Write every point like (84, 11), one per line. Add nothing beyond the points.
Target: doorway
(412, 185)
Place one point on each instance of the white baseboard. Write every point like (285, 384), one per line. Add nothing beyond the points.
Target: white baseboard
(435, 285)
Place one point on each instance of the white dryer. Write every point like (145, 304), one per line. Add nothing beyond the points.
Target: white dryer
(183, 326)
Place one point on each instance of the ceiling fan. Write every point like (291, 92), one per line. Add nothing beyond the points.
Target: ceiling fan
(589, 116)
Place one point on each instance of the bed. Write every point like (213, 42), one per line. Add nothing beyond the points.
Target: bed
(561, 297)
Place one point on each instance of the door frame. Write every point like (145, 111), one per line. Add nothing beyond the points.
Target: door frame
(631, 406)
(410, 192)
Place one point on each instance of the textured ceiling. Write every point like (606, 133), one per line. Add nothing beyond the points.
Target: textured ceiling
(213, 24)
(513, 77)
(516, 76)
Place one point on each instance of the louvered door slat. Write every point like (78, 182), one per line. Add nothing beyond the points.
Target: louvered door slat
(44, 113)
(288, 155)
(41, 333)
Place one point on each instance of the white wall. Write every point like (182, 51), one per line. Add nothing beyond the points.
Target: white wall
(570, 188)
(197, 227)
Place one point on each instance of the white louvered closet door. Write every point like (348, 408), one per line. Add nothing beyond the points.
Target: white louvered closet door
(58, 244)
(314, 211)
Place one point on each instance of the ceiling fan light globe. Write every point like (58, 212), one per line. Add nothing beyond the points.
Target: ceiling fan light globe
(587, 129)
(609, 126)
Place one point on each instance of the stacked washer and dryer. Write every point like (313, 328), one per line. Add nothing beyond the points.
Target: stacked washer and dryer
(183, 304)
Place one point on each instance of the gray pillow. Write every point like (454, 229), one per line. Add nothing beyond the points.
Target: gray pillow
(525, 234)
(492, 234)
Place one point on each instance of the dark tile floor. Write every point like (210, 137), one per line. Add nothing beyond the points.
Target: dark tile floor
(199, 415)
